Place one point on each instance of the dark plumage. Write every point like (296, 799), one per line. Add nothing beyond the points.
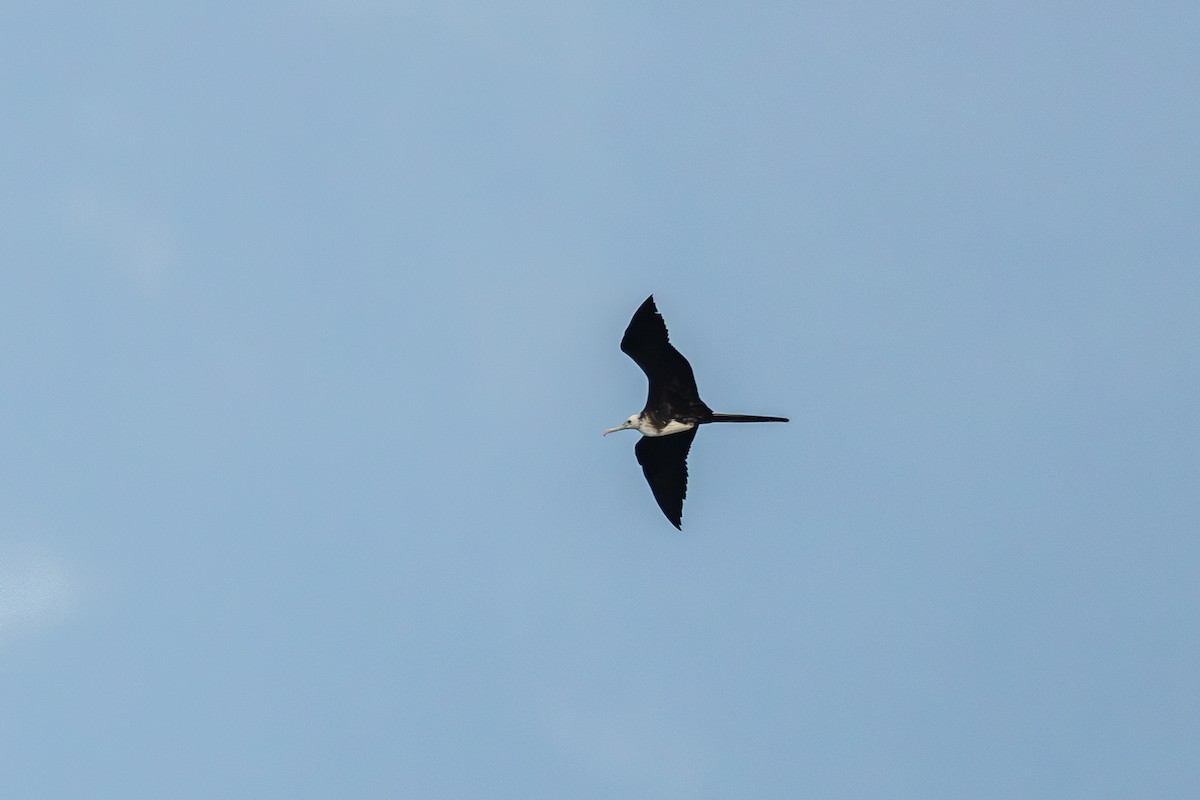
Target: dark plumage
(673, 410)
(664, 463)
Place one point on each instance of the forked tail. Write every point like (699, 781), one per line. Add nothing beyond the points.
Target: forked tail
(744, 418)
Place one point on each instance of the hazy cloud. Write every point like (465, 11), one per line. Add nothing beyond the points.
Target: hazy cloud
(141, 245)
(36, 588)
(636, 742)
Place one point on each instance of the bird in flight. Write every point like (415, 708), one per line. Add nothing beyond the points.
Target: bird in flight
(673, 410)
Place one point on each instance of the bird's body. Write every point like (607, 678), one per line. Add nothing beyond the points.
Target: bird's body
(648, 426)
(673, 410)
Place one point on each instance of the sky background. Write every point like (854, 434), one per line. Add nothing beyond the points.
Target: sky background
(309, 325)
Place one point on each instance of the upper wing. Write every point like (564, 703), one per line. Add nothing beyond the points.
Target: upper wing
(669, 373)
(664, 463)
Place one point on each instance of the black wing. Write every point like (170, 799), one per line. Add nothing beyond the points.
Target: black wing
(672, 392)
(664, 463)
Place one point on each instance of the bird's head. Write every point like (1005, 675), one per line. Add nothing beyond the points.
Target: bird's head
(629, 424)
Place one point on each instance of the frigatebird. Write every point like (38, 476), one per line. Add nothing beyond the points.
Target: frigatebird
(673, 410)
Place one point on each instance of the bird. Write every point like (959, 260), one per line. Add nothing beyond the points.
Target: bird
(673, 412)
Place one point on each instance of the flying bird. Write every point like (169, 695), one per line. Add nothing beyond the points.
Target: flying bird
(673, 411)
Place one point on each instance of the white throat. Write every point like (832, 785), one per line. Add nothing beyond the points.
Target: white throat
(674, 426)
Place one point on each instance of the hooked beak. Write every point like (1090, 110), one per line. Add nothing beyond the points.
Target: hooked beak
(620, 427)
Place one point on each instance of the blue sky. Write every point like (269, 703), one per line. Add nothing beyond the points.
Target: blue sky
(310, 315)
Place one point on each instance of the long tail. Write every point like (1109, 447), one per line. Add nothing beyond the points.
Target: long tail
(744, 418)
